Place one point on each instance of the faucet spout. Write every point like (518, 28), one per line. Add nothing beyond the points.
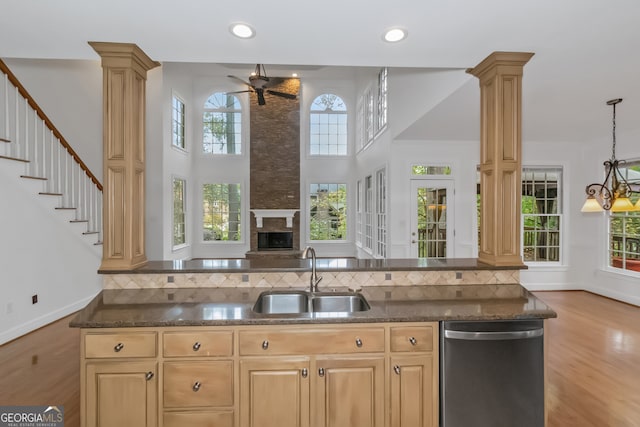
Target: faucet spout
(314, 279)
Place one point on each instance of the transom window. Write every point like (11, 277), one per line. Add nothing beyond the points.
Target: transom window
(624, 227)
(328, 126)
(328, 211)
(222, 125)
(221, 205)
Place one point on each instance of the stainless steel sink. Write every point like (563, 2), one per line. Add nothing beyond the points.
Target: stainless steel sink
(276, 302)
(298, 302)
(337, 302)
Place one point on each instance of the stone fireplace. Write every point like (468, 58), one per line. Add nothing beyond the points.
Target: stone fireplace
(275, 171)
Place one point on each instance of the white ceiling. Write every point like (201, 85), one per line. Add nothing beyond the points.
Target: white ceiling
(586, 51)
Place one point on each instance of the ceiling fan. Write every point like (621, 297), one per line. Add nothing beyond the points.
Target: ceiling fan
(260, 83)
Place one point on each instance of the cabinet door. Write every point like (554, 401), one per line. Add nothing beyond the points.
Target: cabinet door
(121, 394)
(349, 392)
(274, 392)
(414, 394)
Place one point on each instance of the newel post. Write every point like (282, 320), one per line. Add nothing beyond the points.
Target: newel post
(500, 76)
(125, 69)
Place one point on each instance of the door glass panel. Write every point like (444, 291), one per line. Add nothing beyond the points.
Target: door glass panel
(432, 222)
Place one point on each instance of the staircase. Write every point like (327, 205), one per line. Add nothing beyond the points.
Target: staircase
(29, 139)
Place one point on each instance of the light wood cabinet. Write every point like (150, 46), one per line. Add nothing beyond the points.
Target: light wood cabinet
(274, 392)
(349, 392)
(121, 394)
(333, 375)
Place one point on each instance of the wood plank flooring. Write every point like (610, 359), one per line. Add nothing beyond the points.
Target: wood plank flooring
(593, 369)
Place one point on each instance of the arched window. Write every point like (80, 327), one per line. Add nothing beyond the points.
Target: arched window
(222, 125)
(328, 126)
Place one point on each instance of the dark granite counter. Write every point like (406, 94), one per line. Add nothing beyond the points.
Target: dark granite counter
(323, 264)
(233, 306)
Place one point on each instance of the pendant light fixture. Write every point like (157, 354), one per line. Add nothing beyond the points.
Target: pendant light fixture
(613, 193)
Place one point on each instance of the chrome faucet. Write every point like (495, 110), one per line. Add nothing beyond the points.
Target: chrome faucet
(314, 279)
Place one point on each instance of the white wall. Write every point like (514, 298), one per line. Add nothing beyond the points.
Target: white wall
(41, 253)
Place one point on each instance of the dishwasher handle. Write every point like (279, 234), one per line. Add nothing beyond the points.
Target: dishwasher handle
(493, 336)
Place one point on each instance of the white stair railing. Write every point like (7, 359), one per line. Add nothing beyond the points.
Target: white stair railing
(27, 134)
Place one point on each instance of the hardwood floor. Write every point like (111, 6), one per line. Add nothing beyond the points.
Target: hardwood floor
(593, 369)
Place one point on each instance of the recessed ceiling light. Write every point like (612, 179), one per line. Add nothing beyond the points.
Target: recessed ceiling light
(242, 30)
(294, 75)
(393, 35)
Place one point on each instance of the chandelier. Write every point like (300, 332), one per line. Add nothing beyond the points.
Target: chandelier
(613, 194)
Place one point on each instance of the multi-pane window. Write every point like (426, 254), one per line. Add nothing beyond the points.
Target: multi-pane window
(368, 212)
(221, 205)
(179, 210)
(369, 114)
(381, 106)
(328, 126)
(222, 125)
(328, 211)
(177, 123)
(541, 214)
(359, 212)
(420, 170)
(381, 213)
(624, 227)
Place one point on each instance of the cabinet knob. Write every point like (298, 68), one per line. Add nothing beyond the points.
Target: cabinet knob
(197, 346)
(118, 347)
(196, 386)
(321, 372)
(413, 341)
(396, 369)
(265, 344)
(148, 375)
(305, 372)
(358, 342)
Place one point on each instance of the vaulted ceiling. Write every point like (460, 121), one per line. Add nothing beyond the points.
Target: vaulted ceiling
(586, 51)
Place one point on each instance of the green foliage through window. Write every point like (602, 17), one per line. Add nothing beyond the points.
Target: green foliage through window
(221, 205)
(328, 211)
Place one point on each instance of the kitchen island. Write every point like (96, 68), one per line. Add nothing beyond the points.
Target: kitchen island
(179, 343)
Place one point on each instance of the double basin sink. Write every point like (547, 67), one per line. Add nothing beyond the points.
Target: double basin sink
(301, 302)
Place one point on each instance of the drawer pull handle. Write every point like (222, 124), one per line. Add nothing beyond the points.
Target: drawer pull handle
(305, 372)
(413, 341)
(265, 344)
(321, 372)
(196, 386)
(148, 375)
(358, 342)
(197, 346)
(396, 369)
(118, 347)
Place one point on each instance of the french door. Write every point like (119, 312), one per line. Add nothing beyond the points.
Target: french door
(432, 219)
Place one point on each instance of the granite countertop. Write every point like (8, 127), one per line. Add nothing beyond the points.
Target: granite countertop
(233, 306)
(243, 265)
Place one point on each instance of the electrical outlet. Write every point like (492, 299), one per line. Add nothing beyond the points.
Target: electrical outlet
(34, 299)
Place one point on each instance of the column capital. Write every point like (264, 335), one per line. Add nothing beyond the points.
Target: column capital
(514, 60)
(124, 55)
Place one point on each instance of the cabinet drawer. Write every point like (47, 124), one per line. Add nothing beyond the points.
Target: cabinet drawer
(194, 344)
(198, 419)
(412, 338)
(191, 384)
(120, 345)
(311, 341)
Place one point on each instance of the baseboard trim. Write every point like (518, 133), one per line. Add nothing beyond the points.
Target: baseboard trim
(553, 287)
(609, 293)
(43, 320)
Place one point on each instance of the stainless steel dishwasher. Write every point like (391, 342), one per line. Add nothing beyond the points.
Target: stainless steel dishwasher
(492, 374)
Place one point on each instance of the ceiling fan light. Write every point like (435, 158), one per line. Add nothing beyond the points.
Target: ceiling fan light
(591, 205)
(394, 35)
(242, 30)
(622, 204)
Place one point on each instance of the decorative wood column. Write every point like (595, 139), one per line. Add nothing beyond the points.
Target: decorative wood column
(125, 69)
(500, 76)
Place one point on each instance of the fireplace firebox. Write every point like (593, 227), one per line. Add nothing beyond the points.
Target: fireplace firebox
(275, 240)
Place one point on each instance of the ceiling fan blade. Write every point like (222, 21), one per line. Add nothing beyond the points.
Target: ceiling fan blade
(238, 91)
(240, 80)
(260, 94)
(282, 94)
